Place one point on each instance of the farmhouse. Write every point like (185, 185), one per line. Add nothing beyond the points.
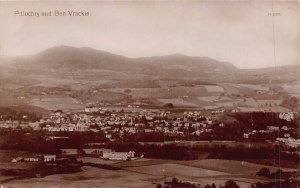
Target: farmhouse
(273, 128)
(26, 159)
(32, 159)
(49, 158)
(96, 150)
(91, 109)
(18, 159)
(118, 155)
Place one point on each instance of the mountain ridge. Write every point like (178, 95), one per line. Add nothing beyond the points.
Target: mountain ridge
(88, 58)
(64, 60)
(176, 55)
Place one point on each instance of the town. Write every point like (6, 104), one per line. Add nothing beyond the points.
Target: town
(157, 125)
(104, 137)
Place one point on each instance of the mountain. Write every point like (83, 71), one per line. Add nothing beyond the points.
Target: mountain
(61, 61)
(189, 63)
(71, 58)
(64, 57)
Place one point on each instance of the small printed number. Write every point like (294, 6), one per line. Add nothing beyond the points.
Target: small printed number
(273, 13)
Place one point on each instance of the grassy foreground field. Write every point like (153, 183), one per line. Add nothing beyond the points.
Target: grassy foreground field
(149, 172)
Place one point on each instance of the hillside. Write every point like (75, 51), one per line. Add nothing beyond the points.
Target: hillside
(69, 78)
(64, 59)
(188, 63)
(64, 62)
(71, 58)
(280, 74)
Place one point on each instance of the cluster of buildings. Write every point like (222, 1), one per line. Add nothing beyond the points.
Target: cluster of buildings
(284, 132)
(291, 142)
(115, 123)
(288, 116)
(45, 158)
(103, 153)
(121, 122)
(123, 156)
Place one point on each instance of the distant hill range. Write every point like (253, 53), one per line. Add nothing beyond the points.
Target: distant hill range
(87, 63)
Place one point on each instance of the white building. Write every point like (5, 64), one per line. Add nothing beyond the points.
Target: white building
(49, 158)
(118, 155)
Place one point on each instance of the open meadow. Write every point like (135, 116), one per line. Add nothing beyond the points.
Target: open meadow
(149, 172)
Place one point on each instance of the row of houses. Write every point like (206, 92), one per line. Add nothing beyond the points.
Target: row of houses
(45, 158)
(126, 122)
(103, 153)
(121, 122)
(295, 143)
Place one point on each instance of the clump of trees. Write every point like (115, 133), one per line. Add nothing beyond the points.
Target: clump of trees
(230, 184)
(279, 184)
(168, 105)
(39, 142)
(175, 183)
(210, 186)
(18, 115)
(291, 103)
(127, 91)
(260, 120)
(27, 140)
(216, 151)
(278, 174)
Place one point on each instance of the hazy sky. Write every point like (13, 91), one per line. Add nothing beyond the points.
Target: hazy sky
(237, 32)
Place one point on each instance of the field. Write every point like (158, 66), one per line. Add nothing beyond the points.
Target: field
(170, 92)
(273, 109)
(149, 172)
(214, 89)
(54, 103)
(78, 93)
(7, 99)
(254, 87)
(268, 102)
(204, 96)
(214, 101)
(178, 102)
(7, 155)
(292, 88)
(208, 98)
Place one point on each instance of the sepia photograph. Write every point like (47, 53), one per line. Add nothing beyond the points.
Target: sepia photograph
(150, 94)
